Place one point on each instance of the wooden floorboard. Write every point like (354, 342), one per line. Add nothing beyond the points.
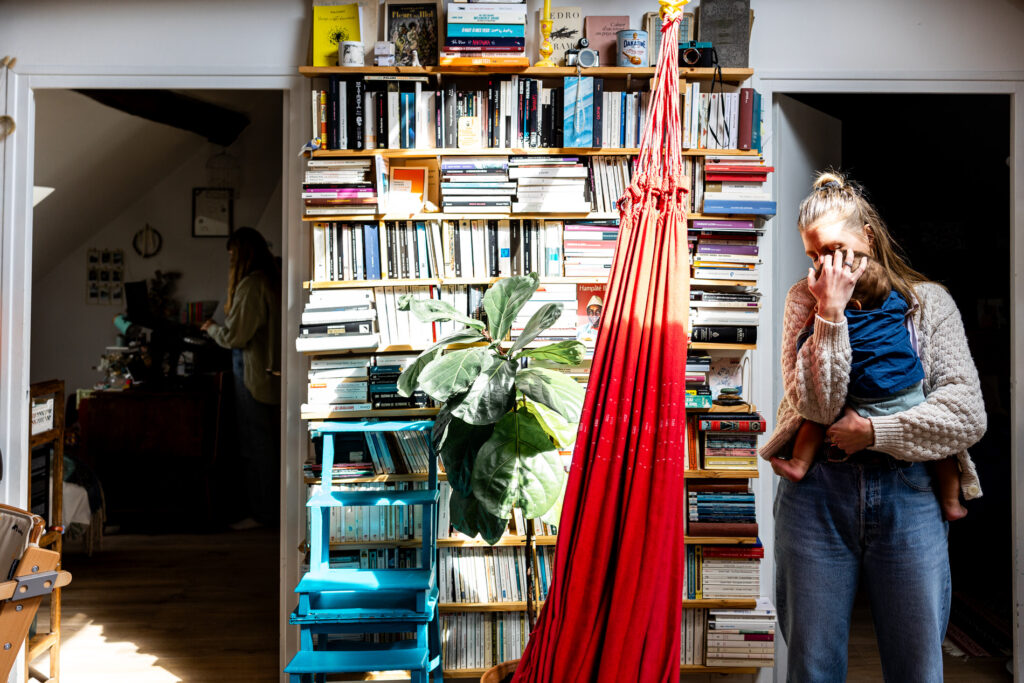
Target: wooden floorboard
(166, 608)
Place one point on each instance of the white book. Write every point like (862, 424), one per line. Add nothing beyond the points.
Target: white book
(369, 129)
(336, 373)
(336, 343)
(341, 363)
(343, 117)
(547, 172)
(467, 265)
(504, 249)
(394, 140)
(345, 249)
(391, 308)
(323, 298)
(359, 260)
(554, 206)
(481, 255)
(329, 317)
(424, 114)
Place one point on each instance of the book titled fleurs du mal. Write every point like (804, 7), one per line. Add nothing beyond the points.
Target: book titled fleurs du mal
(333, 24)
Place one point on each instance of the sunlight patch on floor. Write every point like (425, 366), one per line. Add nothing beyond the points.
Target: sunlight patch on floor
(88, 657)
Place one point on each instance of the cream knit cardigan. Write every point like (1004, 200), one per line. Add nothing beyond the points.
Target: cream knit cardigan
(816, 376)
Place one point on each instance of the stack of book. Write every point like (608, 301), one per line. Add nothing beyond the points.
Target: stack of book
(338, 319)
(563, 329)
(339, 187)
(734, 184)
(724, 308)
(691, 652)
(722, 507)
(476, 185)
(492, 34)
(731, 571)
(729, 440)
(338, 386)
(549, 184)
(741, 637)
(589, 247)
(722, 255)
(383, 391)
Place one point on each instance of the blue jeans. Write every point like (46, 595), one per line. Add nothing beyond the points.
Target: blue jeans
(847, 520)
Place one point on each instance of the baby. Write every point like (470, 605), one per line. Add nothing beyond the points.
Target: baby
(885, 376)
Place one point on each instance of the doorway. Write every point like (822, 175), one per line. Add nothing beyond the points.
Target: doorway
(951, 214)
(152, 399)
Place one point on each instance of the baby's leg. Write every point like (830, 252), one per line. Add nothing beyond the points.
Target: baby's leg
(947, 479)
(805, 447)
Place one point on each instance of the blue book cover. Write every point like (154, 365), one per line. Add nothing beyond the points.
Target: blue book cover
(421, 249)
(578, 112)
(486, 31)
(622, 119)
(698, 402)
(408, 124)
(755, 137)
(371, 251)
(719, 206)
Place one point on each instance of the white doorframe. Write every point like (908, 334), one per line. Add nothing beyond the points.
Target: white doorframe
(16, 280)
(997, 83)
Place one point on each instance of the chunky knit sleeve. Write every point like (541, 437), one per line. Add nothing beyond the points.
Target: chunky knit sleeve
(952, 417)
(815, 376)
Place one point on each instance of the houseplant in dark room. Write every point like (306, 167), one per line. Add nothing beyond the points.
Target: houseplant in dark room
(501, 425)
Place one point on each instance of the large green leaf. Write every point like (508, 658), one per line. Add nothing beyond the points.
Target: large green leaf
(542, 319)
(561, 431)
(518, 467)
(452, 373)
(409, 377)
(564, 352)
(459, 445)
(430, 310)
(504, 300)
(562, 394)
(469, 517)
(491, 394)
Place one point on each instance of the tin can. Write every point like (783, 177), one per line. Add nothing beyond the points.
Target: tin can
(632, 47)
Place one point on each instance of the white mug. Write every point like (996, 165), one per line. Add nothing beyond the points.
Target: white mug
(350, 53)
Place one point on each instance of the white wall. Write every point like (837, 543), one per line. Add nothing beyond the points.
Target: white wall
(60, 307)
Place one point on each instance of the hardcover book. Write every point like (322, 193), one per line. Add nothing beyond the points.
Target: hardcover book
(726, 24)
(412, 27)
(578, 112)
(333, 24)
(566, 31)
(600, 31)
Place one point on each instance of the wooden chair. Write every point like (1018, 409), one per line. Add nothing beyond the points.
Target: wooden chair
(34, 576)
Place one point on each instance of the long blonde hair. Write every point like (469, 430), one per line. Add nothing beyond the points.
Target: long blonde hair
(835, 197)
(249, 253)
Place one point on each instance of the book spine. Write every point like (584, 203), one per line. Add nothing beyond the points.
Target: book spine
(598, 111)
(732, 425)
(746, 114)
(356, 141)
(534, 118)
(486, 30)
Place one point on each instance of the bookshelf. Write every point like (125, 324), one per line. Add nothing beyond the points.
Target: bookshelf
(627, 79)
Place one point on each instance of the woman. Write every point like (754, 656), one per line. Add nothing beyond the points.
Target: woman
(252, 330)
(873, 515)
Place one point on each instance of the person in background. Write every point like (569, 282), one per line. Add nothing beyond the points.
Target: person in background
(872, 517)
(252, 330)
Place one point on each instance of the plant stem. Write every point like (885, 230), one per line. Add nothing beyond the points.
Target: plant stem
(531, 607)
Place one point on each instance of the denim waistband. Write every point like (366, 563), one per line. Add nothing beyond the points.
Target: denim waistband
(865, 458)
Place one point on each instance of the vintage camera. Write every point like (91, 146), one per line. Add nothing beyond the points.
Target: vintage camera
(692, 53)
(583, 56)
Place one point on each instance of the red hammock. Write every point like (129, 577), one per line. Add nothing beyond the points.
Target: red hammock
(615, 604)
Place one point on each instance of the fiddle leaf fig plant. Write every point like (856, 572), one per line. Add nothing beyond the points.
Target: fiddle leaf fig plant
(500, 425)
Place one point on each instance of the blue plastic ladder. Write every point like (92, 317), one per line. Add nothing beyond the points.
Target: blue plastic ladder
(336, 601)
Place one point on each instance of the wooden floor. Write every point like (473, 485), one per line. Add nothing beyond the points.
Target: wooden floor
(165, 608)
(203, 609)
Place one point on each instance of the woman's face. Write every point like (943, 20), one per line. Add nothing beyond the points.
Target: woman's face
(828, 236)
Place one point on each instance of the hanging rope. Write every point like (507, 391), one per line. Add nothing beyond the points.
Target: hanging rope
(615, 604)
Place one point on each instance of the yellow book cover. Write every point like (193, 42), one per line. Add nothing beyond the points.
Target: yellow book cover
(333, 24)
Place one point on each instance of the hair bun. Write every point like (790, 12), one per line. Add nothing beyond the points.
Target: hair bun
(829, 181)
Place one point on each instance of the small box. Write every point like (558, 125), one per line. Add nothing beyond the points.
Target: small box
(383, 48)
(382, 60)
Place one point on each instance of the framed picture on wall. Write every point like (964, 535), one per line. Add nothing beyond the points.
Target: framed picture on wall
(212, 212)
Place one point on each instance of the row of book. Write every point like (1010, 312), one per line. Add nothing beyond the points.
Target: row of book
(386, 111)
(694, 628)
(368, 454)
(723, 572)
(735, 184)
(709, 307)
(493, 33)
(376, 558)
(480, 640)
(491, 575)
(517, 525)
(366, 524)
(721, 507)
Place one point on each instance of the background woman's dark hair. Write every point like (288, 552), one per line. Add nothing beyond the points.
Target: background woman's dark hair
(249, 254)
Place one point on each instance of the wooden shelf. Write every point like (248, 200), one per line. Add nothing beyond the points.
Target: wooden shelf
(405, 543)
(392, 348)
(512, 151)
(720, 474)
(694, 282)
(505, 541)
(378, 478)
(729, 75)
(711, 346)
(721, 603)
(455, 607)
(439, 281)
(391, 412)
(363, 218)
(38, 644)
(720, 540)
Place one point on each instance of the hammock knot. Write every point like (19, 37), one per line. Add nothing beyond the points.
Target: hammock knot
(671, 10)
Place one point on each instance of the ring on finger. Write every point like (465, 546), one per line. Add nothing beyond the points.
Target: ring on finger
(848, 264)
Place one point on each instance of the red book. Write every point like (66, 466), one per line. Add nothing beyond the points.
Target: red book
(716, 177)
(746, 130)
(737, 551)
(722, 529)
(712, 425)
(720, 486)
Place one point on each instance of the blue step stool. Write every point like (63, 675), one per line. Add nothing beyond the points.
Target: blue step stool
(339, 602)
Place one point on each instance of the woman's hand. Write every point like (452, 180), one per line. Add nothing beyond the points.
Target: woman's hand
(833, 284)
(205, 326)
(852, 432)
